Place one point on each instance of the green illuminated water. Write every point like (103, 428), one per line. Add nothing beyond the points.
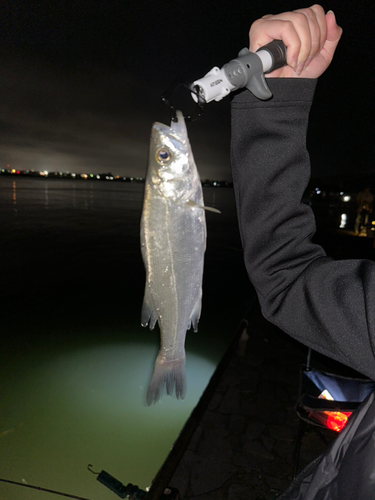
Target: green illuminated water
(75, 362)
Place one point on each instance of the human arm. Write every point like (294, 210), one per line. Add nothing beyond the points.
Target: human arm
(325, 304)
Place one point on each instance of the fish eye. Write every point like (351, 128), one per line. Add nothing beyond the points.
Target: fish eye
(163, 156)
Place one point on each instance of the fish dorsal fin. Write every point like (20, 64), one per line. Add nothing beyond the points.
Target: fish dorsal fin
(209, 209)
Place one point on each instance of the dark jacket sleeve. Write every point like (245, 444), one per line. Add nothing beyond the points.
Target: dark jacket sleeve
(327, 305)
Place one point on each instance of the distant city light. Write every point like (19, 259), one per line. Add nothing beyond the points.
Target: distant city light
(104, 176)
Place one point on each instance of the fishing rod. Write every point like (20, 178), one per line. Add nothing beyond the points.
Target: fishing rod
(246, 71)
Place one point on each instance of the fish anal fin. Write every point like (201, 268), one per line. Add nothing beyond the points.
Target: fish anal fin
(195, 315)
(148, 315)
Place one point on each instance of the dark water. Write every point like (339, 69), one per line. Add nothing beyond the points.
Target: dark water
(74, 361)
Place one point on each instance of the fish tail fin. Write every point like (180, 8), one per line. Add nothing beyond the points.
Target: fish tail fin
(170, 373)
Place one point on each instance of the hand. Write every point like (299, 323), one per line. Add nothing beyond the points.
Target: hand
(310, 35)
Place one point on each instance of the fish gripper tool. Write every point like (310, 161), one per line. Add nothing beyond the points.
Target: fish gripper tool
(245, 71)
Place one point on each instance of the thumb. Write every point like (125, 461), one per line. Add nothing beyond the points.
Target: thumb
(334, 33)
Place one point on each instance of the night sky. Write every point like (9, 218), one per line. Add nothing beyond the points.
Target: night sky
(81, 81)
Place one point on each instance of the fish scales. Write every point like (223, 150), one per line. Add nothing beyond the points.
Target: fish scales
(173, 242)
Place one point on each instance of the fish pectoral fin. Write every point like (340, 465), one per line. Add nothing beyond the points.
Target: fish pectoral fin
(148, 315)
(192, 203)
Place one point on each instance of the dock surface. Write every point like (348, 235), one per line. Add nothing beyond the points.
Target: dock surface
(244, 444)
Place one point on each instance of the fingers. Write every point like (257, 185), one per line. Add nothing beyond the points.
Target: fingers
(304, 32)
(313, 33)
(277, 28)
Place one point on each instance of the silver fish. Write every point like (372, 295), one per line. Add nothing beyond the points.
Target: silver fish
(173, 242)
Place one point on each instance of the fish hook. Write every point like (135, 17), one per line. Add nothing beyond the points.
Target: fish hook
(193, 89)
(90, 469)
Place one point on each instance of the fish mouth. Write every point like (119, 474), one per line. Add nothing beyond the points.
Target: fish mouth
(177, 129)
(179, 126)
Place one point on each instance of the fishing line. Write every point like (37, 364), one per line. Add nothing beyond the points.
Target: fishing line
(43, 489)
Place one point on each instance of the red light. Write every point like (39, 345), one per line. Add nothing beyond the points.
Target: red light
(337, 420)
(334, 420)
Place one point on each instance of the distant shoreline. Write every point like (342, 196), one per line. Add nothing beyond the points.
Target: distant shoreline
(43, 174)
